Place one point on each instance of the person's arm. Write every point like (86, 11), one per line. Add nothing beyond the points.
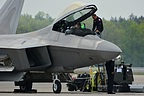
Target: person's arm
(94, 25)
(99, 26)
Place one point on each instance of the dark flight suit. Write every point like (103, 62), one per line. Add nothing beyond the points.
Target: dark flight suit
(98, 25)
(110, 73)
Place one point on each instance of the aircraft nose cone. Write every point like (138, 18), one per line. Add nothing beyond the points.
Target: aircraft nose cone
(108, 50)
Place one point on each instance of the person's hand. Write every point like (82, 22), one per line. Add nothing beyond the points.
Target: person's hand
(98, 32)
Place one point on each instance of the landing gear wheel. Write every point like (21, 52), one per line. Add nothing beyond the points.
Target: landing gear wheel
(26, 86)
(57, 86)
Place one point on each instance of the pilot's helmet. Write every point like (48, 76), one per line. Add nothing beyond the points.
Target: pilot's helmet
(82, 25)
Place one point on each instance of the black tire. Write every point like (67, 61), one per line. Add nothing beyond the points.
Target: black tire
(26, 86)
(57, 86)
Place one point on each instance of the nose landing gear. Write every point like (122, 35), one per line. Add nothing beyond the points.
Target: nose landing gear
(56, 84)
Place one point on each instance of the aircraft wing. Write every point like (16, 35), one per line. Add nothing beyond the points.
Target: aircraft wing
(18, 51)
(24, 52)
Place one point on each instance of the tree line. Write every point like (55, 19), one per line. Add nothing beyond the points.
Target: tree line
(128, 34)
(27, 23)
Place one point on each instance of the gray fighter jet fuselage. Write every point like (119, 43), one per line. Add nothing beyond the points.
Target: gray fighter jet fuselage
(50, 47)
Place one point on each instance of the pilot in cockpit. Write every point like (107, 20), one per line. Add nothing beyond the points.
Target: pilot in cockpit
(79, 29)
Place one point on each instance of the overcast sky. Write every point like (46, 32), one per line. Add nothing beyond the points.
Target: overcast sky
(106, 8)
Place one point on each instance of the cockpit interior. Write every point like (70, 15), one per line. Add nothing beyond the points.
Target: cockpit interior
(69, 24)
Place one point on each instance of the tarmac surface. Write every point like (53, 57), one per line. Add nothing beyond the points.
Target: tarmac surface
(45, 89)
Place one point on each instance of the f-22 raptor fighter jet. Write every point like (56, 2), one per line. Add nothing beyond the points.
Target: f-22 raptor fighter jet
(59, 48)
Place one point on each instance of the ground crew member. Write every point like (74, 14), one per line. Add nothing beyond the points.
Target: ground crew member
(110, 73)
(97, 25)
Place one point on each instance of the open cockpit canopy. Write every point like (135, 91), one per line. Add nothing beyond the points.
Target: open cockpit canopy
(72, 17)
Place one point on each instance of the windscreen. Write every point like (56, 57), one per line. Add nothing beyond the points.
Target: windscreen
(77, 15)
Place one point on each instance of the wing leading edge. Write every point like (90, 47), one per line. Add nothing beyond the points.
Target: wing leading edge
(35, 58)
